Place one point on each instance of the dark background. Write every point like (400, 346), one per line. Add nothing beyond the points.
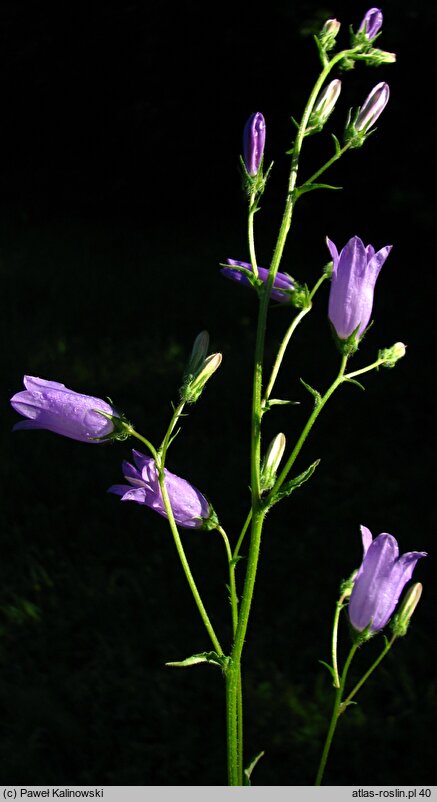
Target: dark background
(120, 195)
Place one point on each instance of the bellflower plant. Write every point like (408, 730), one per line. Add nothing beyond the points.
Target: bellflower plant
(371, 593)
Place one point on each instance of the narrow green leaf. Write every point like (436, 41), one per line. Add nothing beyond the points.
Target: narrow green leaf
(309, 187)
(202, 657)
(330, 669)
(316, 395)
(337, 145)
(236, 559)
(292, 484)
(353, 381)
(250, 768)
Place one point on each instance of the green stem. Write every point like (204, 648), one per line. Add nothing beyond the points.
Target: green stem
(143, 440)
(258, 508)
(160, 462)
(281, 351)
(366, 676)
(242, 534)
(290, 331)
(233, 677)
(338, 609)
(232, 586)
(306, 430)
(335, 715)
(327, 165)
(251, 236)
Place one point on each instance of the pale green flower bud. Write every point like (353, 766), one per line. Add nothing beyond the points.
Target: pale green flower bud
(193, 388)
(324, 105)
(271, 462)
(328, 34)
(401, 620)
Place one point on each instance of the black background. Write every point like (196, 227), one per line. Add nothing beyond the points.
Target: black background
(120, 195)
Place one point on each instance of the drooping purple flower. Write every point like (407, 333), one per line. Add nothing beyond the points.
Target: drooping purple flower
(50, 405)
(282, 280)
(380, 581)
(372, 107)
(190, 508)
(254, 137)
(371, 23)
(354, 274)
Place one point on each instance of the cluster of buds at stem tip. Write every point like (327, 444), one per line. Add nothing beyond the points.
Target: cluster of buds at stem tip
(358, 129)
(271, 462)
(362, 41)
(328, 34)
(324, 106)
(199, 369)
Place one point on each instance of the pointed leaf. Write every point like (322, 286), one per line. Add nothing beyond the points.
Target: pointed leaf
(235, 560)
(309, 187)
(250, 768)
(353, 381)
(337, 145)
(202, 657)
(292, 484)
(316, 395)
(330, 669)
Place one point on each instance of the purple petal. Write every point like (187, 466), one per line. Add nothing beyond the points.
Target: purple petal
(393, 586)
(254, 137)
(282, 280)
(367, 539)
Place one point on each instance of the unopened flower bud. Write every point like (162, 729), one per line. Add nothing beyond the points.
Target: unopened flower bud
(402, 618)
(254, 137)
(198, 354)
(371, 23)
(373, 106)
(324, 105)
(357, 131)
(272, 461)
(193, 388)
(329, 33)
(393, 354)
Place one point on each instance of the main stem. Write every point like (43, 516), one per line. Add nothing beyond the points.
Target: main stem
(233, 677)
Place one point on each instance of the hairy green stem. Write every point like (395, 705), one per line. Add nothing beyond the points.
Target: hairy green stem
(366, 676)
(334, 717)
(161, 457)
(306, 430)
